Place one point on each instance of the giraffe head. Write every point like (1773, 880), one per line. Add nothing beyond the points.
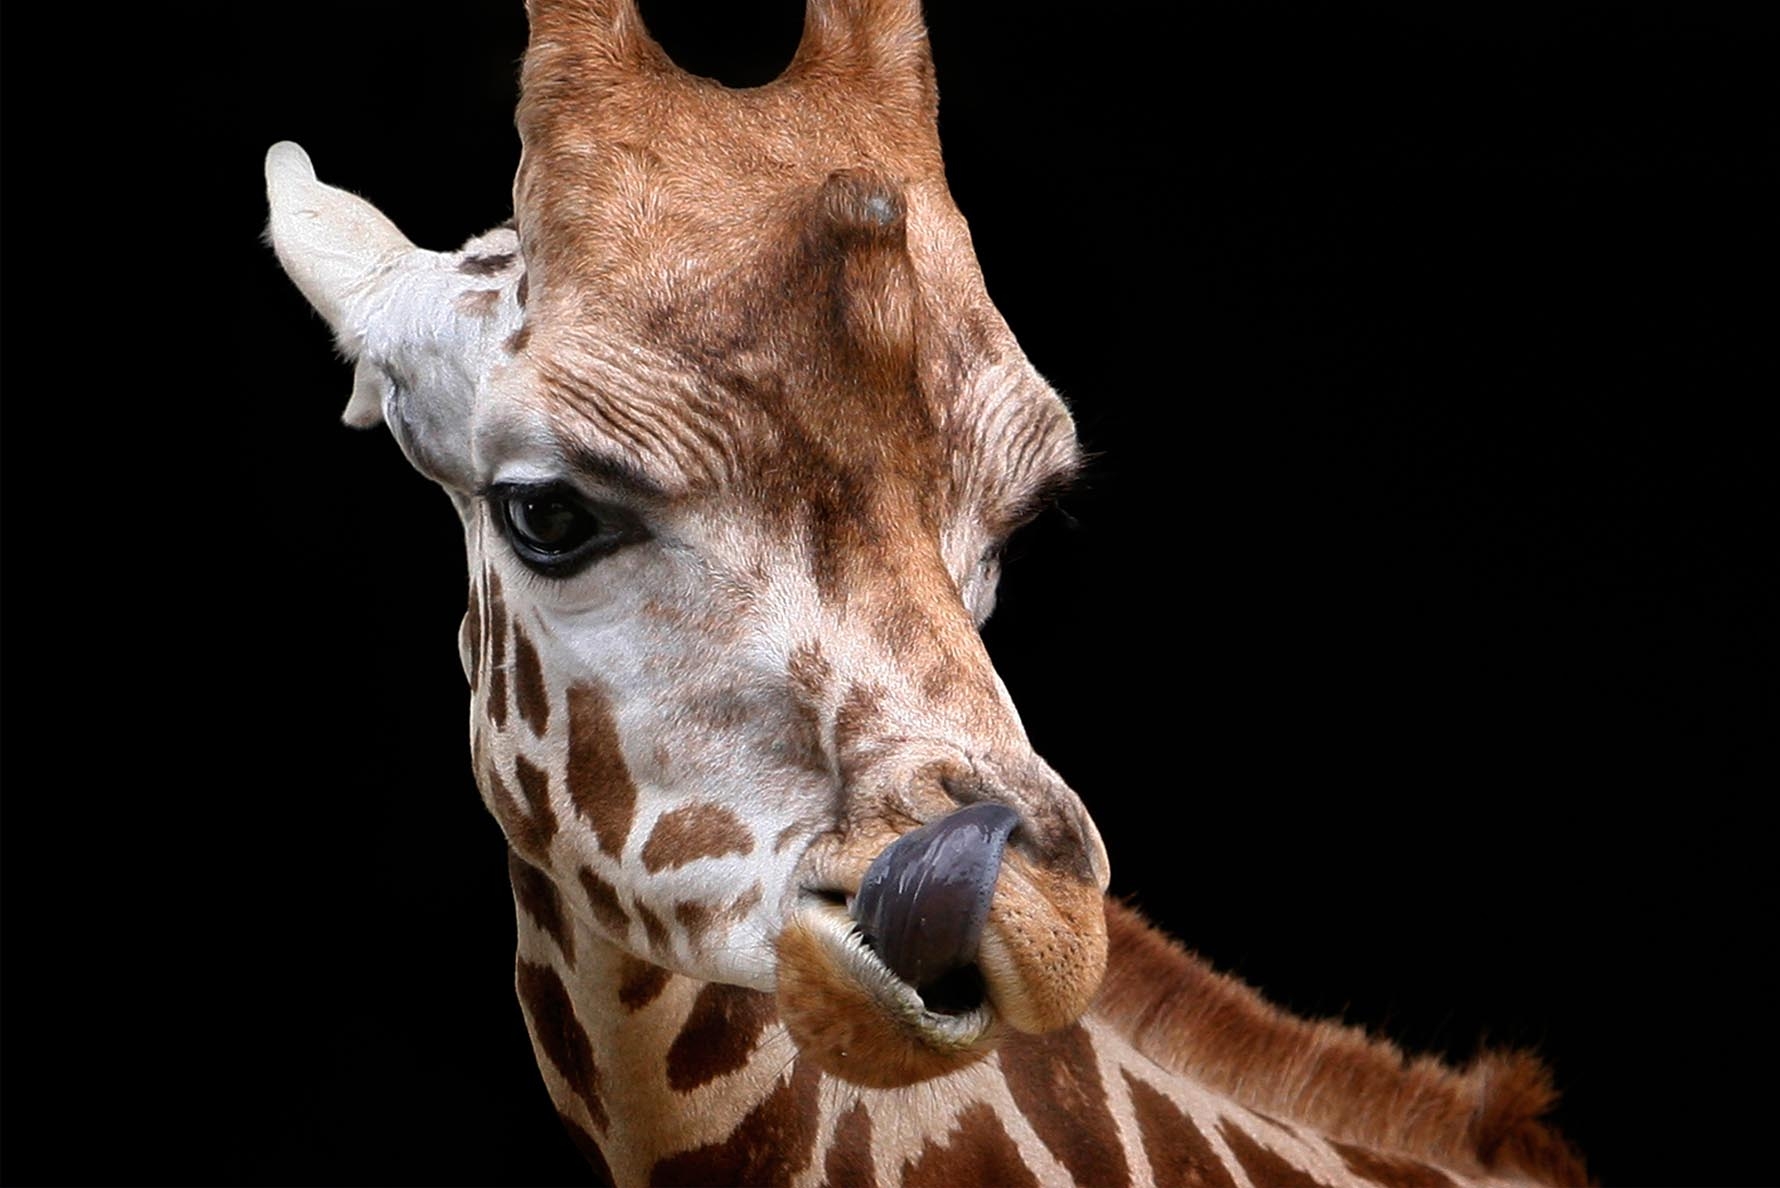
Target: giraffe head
(736, 435)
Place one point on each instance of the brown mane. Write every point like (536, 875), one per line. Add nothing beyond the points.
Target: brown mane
(1348, 1085)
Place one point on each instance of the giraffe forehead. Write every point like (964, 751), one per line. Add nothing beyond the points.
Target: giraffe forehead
(818, 371)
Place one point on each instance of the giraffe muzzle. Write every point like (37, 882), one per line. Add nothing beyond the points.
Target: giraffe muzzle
(924, 900)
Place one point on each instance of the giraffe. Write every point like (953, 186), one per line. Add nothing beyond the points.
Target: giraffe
(735, 435)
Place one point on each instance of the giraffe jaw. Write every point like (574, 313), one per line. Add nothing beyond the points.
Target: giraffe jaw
(856, 1018)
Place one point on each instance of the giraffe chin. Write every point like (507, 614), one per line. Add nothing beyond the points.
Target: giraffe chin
(1042, 956)
(856, 1020)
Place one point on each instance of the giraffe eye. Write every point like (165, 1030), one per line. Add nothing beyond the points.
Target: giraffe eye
(555, 531)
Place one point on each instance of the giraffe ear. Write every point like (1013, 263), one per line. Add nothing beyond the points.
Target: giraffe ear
(423, 328)
(343, 253)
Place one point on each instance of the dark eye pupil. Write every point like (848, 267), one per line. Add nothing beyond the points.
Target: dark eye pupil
(550, 523)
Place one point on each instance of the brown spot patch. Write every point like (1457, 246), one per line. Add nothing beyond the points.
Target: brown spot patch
(599, 780)
(1391, 1171)
(529, 831)
(799, 740)
(485, 265)
(787, 835)
(1266, 1167)
(1056, 1083)
(719, 1035)
(517, 340)
(855, 724)
(770, 1146)
(655, 930)
(602, 897)
(497, 697)
(977, 1150)
(694, 831)
(848, 1163)
(559, 1034)
(695, 918)
(590, 1150)
(534, 781)
(528, 684)
(1179, 1153)
(698, 918)
(639, 982)
(538, 898)
(744, 903)
(803, 741)
(497, 652)
(523, 290)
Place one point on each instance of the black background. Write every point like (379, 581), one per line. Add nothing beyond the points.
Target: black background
(1409, 640)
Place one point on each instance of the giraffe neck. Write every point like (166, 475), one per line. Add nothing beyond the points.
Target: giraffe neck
(665, 1079)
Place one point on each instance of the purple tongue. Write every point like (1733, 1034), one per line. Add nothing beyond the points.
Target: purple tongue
(925, 898)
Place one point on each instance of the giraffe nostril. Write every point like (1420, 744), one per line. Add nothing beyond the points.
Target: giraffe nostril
(924, 900)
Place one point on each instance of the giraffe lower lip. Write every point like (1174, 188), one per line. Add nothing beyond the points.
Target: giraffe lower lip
(952, 1012)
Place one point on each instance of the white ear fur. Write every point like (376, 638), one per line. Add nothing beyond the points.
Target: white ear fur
(335, 245)
(397, 312)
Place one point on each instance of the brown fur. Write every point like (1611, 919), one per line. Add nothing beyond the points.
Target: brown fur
(602, 897)
(657, 932)
(1056, 1083)
(848, 1163)
(718, 1036)
(534, 782)
(771, 1145)
(530, 830)
(1389, 1171)
(538, 898)
(1332, 1078)
(599, 780)
(694, 831)
(528, 684)
(639, 982)
(699, 918)
(559, 1035)
(1179, 1153)
(497, 653)
(976, 1151)
(694, 918)
(1265, 1167)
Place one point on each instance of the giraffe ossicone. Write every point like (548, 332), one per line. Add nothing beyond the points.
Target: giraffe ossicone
(736, 436)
